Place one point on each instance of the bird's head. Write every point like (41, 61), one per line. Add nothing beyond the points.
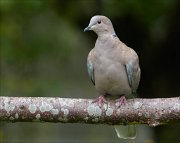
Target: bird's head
(100, 25)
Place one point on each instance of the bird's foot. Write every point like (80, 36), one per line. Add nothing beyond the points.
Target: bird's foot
(121, 101)
(100, 100)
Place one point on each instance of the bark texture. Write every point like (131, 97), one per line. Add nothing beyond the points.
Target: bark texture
(46, 109)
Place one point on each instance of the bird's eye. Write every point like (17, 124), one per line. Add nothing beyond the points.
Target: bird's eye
(99, 22)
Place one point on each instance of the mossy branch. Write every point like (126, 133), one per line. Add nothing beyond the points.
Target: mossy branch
(66, 110)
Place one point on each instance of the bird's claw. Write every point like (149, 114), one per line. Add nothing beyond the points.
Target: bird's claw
(100, 100)
(121, 101)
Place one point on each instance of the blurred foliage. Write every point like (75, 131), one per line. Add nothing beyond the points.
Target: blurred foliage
(43, 52)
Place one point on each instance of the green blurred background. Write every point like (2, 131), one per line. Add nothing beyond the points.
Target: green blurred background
(43, 53)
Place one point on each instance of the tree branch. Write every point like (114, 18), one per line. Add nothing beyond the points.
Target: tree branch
(136, 111)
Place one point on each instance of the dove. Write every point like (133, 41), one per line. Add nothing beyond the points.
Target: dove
(113, 68)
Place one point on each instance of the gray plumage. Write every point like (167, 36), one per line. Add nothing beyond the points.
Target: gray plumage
(112, 66)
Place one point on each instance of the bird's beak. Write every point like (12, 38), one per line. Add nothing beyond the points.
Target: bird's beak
(87, 29)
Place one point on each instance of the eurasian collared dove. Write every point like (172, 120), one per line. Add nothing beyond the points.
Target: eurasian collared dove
(113, 68)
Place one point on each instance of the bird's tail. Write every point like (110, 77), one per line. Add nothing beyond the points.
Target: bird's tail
(126, 131)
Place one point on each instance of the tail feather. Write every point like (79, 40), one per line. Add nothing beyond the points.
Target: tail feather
(126, 131)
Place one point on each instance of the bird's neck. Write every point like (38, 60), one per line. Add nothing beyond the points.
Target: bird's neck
(105, 36)
(105, 41)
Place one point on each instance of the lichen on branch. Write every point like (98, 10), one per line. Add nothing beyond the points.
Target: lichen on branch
(66, 110)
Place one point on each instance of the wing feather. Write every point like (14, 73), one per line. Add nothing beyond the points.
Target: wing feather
(90, 67)
(133, 73)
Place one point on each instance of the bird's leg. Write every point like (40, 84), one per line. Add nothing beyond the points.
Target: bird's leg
(100, 100)
(121, 101)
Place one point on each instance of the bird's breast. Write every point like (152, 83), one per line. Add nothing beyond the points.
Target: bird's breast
(110, 76)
